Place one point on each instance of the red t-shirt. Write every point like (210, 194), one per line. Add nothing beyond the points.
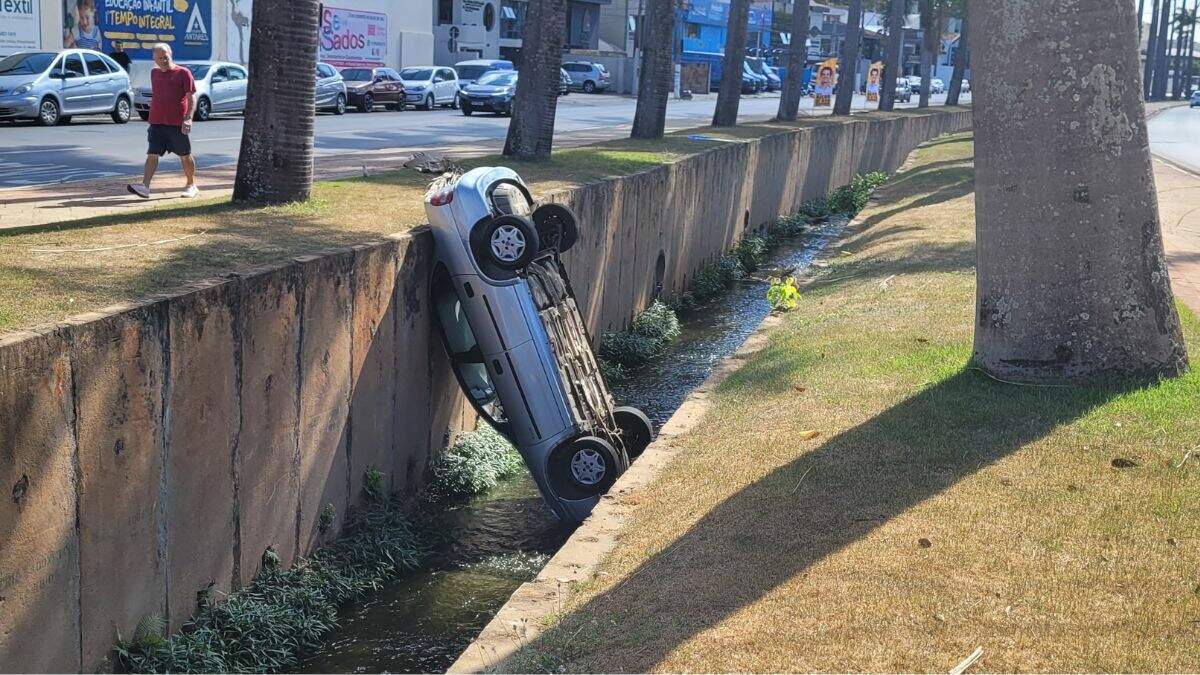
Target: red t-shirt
(171, 90)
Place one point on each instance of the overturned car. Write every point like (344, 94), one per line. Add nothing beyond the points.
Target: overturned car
(516, 340)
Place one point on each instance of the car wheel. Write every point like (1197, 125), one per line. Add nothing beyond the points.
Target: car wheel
(454, 103)
(368, 102)
(511, 242)
(123, 111)
(65, 119)
(589, 87)
(339, 106)
(582, 468)
(466, 109)
(428, 104)
(556, 226)
(203, 109)
(145, 115)
(636, 429)
(49, 112)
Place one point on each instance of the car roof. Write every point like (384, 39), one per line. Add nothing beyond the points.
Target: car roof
(208, 63)
(483, 62)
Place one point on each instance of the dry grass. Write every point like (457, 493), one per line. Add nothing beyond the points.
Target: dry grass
(938, 510)
(57, 271)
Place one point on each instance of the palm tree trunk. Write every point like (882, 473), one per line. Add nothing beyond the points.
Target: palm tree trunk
(730, 94)
(275, 164)
(961, 58)
(851, 48)
(654, 83)
(895, 51)
(930, 47)
(1160, 55)
(1085, 293)
(797, 59)
(531, 130)
(1190, 57)
(1151, 52)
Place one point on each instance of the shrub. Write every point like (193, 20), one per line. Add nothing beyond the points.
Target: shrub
(852, 198)
(816, 209)
(282, 613)
(751, 252)
(788, 226)
(651, 330)
(717, 277)
(476, 462)
(657, 322)
(783, 294)
(629, 349)
(613, 372)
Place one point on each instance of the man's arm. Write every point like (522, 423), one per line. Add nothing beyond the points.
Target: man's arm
(188, 112)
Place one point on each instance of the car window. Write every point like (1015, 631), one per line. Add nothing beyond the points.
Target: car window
(220, 75)
(416, 74)
(324, 70)
(199, 70)
(26, 64)
(392, 75)
(356, 74)
(471, 72)
(498, 78)
(449, 74)
(95, 64)
(235, 73)
(73, 64)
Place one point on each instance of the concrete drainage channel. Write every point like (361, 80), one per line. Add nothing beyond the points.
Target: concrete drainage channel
(501, 542)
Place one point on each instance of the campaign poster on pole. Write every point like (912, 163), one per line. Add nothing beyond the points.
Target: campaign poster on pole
(874, 80)
(138, 25)
(353, 37)
(20, 26)
(826, 77)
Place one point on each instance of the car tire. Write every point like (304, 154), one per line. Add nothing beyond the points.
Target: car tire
(367, 103)
(122, 111)
(511, 242)
(428, 104)
(636, 429)
(589, 87)
(64, 120)
(49, 114)
(466, 109)
(144, 114)
(557, 226)
(339, 106)
(583, 468)
(203, 109)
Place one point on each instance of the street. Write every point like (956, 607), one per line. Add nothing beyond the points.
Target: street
(1175, 135)
(95, 148)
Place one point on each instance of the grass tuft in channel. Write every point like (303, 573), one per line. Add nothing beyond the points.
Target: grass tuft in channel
(477, 461)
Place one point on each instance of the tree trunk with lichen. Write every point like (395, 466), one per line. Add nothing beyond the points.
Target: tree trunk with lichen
(797, 58)
(531, 129)
(1072, 278)
(961, 57)
(851, 48)
(730, 93)
(894, 54)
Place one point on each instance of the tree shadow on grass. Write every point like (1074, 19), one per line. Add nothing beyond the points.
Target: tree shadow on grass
(774, 529)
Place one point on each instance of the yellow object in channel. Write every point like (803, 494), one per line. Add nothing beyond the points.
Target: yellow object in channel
(181, 5)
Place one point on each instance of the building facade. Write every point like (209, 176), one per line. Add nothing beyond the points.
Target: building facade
(491, 29)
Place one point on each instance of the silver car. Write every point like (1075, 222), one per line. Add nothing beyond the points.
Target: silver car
(331, 89)
(586, 76)
(516, 341)
(220, 88)
(52, 87)
(429, 86)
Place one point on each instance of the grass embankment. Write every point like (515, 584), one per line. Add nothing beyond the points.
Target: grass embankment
(937, 510)
(81, 266)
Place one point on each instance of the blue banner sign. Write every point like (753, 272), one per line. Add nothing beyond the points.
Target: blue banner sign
(138, 25)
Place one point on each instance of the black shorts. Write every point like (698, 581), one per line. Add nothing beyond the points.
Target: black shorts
(164, 138)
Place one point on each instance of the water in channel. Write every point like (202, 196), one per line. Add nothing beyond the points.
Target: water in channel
(501, 539)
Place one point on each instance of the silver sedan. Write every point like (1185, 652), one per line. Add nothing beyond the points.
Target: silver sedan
(51, 87)
(220, 88)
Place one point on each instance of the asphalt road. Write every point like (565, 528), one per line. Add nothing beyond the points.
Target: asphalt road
(94, 147)
(1175, 135)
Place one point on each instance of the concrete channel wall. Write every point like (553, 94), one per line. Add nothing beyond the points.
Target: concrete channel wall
(153, 451)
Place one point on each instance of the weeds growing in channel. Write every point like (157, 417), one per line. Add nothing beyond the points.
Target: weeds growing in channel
(477, 461)
(266, 626)
(649, 333)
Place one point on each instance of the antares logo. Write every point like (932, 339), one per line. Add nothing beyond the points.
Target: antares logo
(196, 30)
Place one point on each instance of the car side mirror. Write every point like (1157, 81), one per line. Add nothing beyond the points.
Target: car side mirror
(58, 74)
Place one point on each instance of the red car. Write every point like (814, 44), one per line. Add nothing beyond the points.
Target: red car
(369, 87)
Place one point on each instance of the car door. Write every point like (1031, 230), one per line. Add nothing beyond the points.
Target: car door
(76, 94)
(443, 86)
(237, 88)
(100, 78)
(323, 78)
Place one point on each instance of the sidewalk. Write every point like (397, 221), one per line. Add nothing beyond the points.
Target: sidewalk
(1179, 212)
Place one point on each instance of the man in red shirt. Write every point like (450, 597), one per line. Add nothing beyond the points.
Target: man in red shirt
(172, 104)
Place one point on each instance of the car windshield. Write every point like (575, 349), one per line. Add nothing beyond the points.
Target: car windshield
(498, 79)
(416, 74)
(199, 70)
(471, 72)
(26, 64)
(356, 74)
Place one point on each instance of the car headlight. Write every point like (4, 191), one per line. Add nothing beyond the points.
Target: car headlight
(23, 89)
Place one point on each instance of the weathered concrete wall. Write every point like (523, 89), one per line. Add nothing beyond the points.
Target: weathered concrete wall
(152, 452)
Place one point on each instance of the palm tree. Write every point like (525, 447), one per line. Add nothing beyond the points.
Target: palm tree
(961, 58)
(531, 130)
(851, 47)
(275, 164)
(730, 94)
(793, 80)
(1148, 69)
(931, 45)
(1161, 47)
(1085, 294)
(895, 51)
(654, 81)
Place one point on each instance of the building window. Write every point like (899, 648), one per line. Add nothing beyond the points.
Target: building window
(512, 19)
(693, 30)
(489, 17)
(445, 12)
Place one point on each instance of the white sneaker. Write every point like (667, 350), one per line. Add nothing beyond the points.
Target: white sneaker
(191, 191)
(139, 189)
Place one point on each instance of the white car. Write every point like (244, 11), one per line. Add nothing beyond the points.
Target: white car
(966, 86)
(936, 86)
(429, 86)
(516, 341)
(220, 88)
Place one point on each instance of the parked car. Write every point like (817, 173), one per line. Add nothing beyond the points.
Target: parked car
(936, 86)
(564, 82)
(966, 86)
(220, 88)
(369, 87)
(914, 83)
(759, 67)
(470, 71)
(903, 91)
(587, 77)
(52, 87)
(493, 92)
(516, 341)
(331, 89)
(759, 81)
(1195, 100)
(429, 86)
